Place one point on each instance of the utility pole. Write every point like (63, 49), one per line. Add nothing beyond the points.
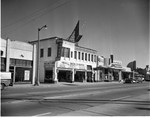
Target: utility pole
(37, 83)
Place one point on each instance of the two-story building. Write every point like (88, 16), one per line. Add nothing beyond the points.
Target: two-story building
(64, 61)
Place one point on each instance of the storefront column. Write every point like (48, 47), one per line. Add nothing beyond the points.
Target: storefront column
(120, 75)
(55, 73)
(133, 75)
(34, 63)
(103, 74)
(85, 76)
(73, 74)
(129, 75)
(92, 76)
(7, 54)
(112, 75)
(109, 75)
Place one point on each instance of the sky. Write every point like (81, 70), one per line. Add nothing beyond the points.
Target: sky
(118, 27)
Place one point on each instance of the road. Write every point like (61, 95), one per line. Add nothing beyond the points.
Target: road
(67, 99)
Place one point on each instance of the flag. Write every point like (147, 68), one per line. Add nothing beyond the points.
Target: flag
(132, 65)
(75, 36)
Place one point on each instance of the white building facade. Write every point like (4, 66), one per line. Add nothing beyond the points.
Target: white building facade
(64, 61)
(19, 59)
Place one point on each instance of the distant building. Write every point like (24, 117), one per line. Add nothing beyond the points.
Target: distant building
(64, 61)
(108, 69)
(18, 58)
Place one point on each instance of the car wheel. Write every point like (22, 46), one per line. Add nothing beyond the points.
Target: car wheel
(2, 86)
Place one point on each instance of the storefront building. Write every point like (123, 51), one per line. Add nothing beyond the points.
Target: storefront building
(108, 69)
(18, 58)
(126, 73)
(64, 61)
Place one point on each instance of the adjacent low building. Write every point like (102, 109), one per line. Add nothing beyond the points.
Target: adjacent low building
(18, 58)
(109, 69)
(65, 61)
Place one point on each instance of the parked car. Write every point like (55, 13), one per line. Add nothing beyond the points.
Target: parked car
(128, 80)
(139, 78)
(5, 79)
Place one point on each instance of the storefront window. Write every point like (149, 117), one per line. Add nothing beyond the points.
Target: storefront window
(18, 62)
(3, 64)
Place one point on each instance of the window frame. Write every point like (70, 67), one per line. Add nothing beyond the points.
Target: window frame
(49, 52)
(41, 52)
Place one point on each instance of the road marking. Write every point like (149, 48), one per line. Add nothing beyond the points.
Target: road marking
(42, 114)
(14, 102)
(72, 95)
(120, 98)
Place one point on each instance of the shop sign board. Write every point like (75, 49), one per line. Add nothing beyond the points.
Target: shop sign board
(106, 62)
(116, 64)
(126, 69)
(49, 64)
(100, 61)
(68, 44)
(71, 65)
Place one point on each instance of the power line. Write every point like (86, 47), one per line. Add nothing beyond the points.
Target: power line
(37, 14)
(30, 15)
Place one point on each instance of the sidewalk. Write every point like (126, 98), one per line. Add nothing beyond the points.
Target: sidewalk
(61, 84)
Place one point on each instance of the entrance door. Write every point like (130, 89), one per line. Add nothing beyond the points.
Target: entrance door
(89, 77)
(23, 74)
(48, 76)
(79, 76)
(116, 75)
(64, 76)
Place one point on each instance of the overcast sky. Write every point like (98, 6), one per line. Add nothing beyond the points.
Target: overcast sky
(118, 27)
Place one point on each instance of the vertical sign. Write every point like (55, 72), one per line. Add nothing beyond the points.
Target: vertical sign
(59, 50)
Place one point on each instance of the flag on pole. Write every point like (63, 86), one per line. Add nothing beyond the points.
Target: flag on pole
(75, 36)
(132, 65)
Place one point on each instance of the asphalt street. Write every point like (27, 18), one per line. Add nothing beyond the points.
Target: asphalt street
(77, 99)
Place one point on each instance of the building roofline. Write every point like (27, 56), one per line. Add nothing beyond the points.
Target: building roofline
(86, 48)
(45, 39)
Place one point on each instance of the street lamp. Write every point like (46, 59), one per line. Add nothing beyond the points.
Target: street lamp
(37, 83)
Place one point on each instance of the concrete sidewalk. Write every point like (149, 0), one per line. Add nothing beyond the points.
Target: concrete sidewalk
(61, 84)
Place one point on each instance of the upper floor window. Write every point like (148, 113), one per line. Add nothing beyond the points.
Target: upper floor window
(82, 56)
(88, 57)
(85, 56)
(65, 52)
(41, 52)
(75, 54)
(92, 58)
(79, 55)
(95, 58)
(49, 52)
(71, 54)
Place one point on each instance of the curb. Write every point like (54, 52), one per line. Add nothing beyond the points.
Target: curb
(61, 84)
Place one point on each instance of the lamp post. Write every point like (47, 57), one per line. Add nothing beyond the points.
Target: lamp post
(37, 83)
